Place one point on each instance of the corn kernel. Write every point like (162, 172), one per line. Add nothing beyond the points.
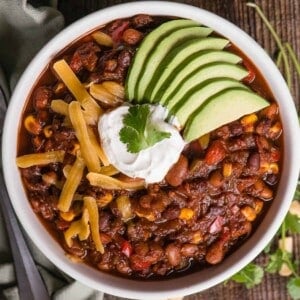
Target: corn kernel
(67, 216)
(258, 205)
(50, 178)
(204, 140)
(32, 125)
(59, 88)
(197, 238)
(48, 131)
(76, 147)
(249, 213)
(227, 169)
(186, 214)
(249, 120)
(273, 168)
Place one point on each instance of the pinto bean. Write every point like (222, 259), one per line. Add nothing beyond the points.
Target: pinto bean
(173, 254)
(189, 250)
(132, 36)
(217, 250)
(178, 172)
(123, 267)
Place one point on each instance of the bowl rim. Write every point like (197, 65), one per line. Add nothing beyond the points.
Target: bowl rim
(187, 284)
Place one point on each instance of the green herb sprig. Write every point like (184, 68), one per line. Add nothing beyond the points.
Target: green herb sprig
(281, 258)
(138, 132)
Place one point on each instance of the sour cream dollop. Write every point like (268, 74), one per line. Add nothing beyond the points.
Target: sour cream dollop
(151, 164)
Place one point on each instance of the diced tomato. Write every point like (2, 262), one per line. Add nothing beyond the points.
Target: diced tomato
(126, 248)
(251, 75)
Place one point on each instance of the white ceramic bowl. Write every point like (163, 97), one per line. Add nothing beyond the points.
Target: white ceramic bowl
(190, 283)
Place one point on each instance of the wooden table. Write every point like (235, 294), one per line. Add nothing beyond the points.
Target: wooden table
(285, 16)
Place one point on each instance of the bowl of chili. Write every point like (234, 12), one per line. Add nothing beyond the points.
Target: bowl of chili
(218, 205)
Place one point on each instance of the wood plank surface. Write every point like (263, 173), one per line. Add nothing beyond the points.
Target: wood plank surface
(285, 17)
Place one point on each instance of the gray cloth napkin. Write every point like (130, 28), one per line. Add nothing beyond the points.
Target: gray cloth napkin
(23, 31)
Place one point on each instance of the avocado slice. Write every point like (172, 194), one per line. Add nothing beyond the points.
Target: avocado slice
(225, 107)
(159, 53)
(178, 88)
(146, 48)
(177, 58)
(191, 64)
(195, 98)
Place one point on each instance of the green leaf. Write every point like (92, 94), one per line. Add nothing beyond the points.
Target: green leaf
(251, 275)
(268, 248)
(292, 223)
(138, 132)
(293, 288)
(275, 262)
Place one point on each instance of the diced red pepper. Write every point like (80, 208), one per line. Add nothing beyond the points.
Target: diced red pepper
(126, 248)
(251, 75)
(117, 34)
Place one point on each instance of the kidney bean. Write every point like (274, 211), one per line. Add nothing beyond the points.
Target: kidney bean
(76, 249)
(254, 161)
(177, 174)
(42, 97)
(142, 20)
(215, 153)
(124, 59)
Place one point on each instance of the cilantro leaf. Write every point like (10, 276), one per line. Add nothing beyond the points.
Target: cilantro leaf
(292, 223)
(138, 132)
(293, 287)
(251, 275)
(275, 262)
